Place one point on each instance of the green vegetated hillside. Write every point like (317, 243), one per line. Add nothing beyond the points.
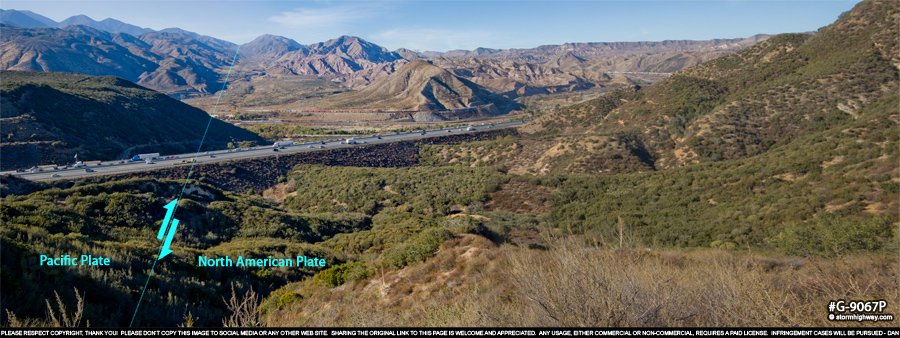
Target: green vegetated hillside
(797, 134)
(49, 117)
(119, 220)
(434, 235)
(738, 106)
(358, 219)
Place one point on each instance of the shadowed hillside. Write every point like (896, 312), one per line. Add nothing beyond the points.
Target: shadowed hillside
(49, 117)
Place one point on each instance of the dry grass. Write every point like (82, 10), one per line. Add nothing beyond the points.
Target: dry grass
(470, 283)
(593, 287)
(244, 309)
(431, 293)
(58, 316)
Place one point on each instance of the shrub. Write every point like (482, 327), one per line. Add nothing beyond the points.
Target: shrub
(340, 274)
(417, 248)
(287, 298)
(830, 235)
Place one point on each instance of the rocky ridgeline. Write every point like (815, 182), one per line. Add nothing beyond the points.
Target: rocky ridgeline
(262, 173)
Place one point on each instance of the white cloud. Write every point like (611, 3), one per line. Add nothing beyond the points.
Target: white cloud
(325, 17)
(430, 39)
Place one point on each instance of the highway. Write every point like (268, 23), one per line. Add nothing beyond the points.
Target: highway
(90, 169)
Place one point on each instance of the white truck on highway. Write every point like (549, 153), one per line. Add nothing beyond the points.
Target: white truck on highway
(351, 140)
(282, 144)
(145, 157)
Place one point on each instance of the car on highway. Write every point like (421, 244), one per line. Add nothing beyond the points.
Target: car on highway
(88, 170)
(54, 175)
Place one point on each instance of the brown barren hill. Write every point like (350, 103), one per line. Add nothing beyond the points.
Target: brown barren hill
(418, 85)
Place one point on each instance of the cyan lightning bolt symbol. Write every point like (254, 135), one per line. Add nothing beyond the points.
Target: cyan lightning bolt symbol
(166, 230)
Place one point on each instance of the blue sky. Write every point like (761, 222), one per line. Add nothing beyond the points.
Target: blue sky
(445, 25)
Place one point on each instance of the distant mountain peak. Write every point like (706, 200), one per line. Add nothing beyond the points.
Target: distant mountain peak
(346, 41)
(483, 50)
(81, 17)
(270, 37)
(349, 38)
(355, 48)
(271, 47)
(176, 30)
(110, 20)
(24, 19)
(177, 35)
(108, 25)
(409, 54)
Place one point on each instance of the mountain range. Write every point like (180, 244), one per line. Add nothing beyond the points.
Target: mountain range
(185, 64)
(29, 19)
